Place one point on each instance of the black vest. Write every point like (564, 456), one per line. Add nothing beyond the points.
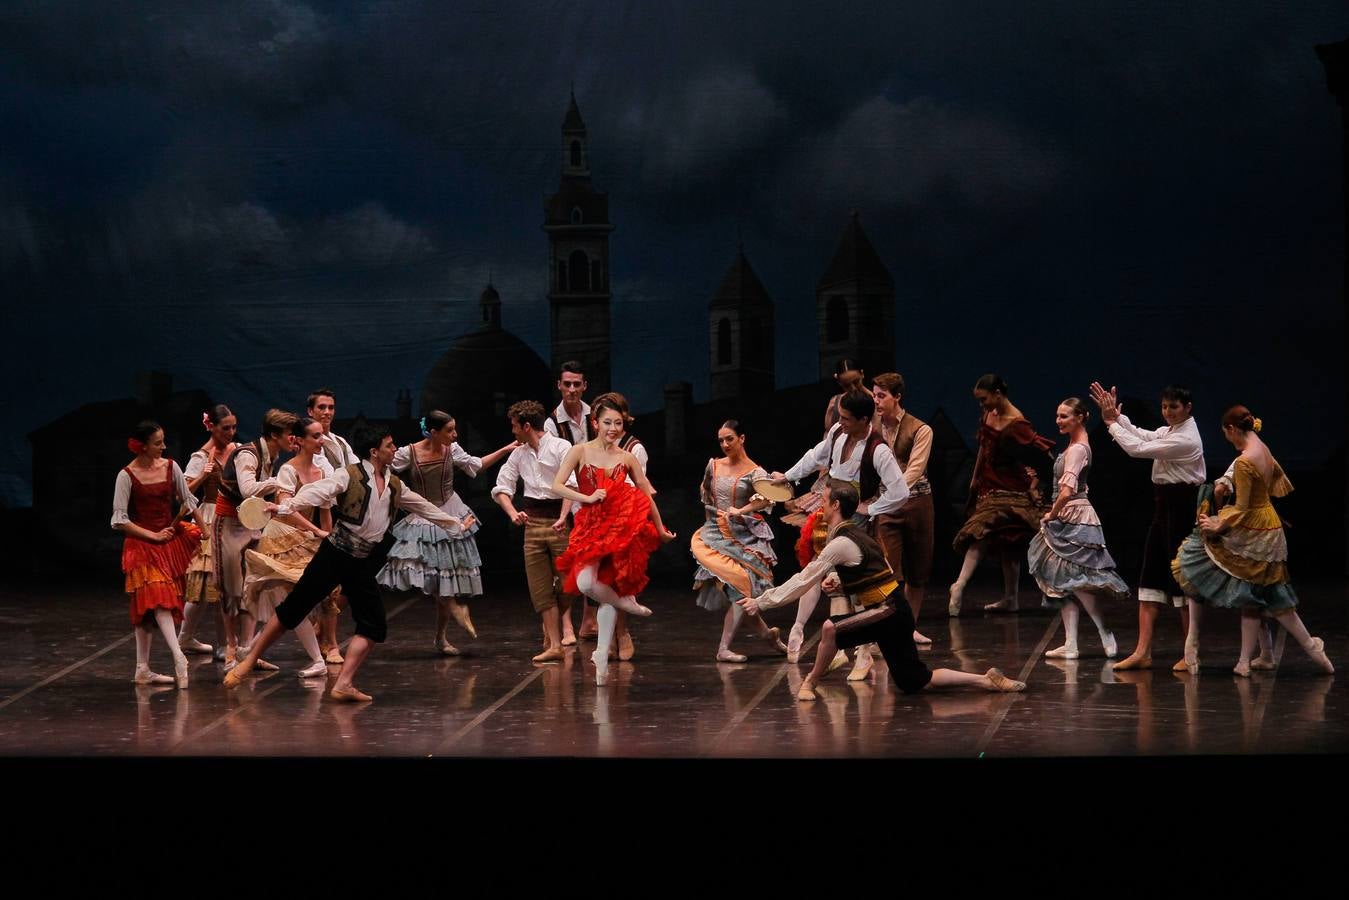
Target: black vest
(869, 480)
(873, 570)
(229, 477)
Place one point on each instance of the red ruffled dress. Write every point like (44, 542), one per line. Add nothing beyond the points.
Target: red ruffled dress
(616, 533)
(155, 573)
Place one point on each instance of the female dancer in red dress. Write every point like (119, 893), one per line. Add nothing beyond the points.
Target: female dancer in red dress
(158, 548)
(617, 526)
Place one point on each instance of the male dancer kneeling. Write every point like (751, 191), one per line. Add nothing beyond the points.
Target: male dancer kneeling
(367, 496)
(860, 569)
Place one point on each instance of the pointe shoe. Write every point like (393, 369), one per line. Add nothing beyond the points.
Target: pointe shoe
(317, 669)
(569, 640)
(236, 675)
(795, 638)
(601, 661)
(1133, 662)
(445, 648)
(953, 603)
(180, 672)
(1242, 668)
(145, 676)
(1110, 645)
(839, 661)
(774, 637)
(333, 657)
(350, 695)
(630, 606)
(862, 669)
(1006, 604)
(1001, 682)
(921, 639)
(1262, 663)
(193, 645)
(460, 614)
(1316, 649)
(626, 649)
(1064, 652)
(807, 691)
(726, 655)
(552, 654)
(1180, 667)
(1191, 657)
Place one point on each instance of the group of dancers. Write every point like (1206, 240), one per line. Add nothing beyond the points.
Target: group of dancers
(589, 523)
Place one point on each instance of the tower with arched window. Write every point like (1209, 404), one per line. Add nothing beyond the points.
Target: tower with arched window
(855, 306)
(741, 323)
(576, 219)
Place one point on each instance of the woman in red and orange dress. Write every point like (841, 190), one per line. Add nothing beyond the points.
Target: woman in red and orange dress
(158, 548)
(617, 526)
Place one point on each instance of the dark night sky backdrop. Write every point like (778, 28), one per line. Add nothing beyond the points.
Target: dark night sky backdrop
(1139, 192)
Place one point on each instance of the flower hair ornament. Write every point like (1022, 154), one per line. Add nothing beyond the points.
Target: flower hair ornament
(206, 421)
(135, 446)
(1256, 424)
(421, 423)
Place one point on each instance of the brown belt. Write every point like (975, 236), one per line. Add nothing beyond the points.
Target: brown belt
(541, 507)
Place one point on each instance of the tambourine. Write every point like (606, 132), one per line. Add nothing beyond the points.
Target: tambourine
(772, 490)
(253, 514)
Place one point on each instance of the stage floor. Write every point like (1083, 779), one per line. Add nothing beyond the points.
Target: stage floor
(66, 659)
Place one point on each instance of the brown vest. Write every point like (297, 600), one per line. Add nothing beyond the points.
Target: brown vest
(909, 426)
(353, 503)
(872, 571)
(229, 477)
(436, 490)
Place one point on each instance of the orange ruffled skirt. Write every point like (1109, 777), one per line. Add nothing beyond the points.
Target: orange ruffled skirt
(155, 573)
(616, 533)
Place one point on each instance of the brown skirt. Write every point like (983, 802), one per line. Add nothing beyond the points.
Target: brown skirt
(1007, 519)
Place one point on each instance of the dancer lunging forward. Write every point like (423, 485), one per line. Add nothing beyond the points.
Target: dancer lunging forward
(860, 570)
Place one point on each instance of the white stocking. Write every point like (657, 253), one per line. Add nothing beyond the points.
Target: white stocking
(805, 607)
(164, 619)
(304, 632)
(191, 616)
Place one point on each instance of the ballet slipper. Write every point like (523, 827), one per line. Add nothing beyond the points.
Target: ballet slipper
(264, 666)
(956, 597)
(552, 654)
(726, 655)
(1262, 663)
(446, 648)
(795, 638)
(180, 672)
(626, 649)
(1242, 668)
(145, 676)
(774, 637)
(921, 639)
(569, 640)
(316, 669)
(1133, 662)
(839, 661)
(1004, 605)
(334, 656)
(350, 695)
(807, 691)
(236, 675)
(601, 662)
(1191, 656)
(1064, 652)
(1000, 682)
(460, 614)
(1316, 649)
(195, 646)
(862, 669)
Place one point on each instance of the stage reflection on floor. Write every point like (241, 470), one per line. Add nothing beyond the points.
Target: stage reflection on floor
(66, 659)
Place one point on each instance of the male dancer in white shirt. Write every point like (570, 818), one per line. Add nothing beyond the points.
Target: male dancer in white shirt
(543, 516)
(571, 421)
(1177, 454)
(367, 497)
(854, 452)
(322, 406)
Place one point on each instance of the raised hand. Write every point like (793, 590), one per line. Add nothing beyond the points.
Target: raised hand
(1108, 401)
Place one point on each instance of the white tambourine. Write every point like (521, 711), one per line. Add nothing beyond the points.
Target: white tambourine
(253, 514)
